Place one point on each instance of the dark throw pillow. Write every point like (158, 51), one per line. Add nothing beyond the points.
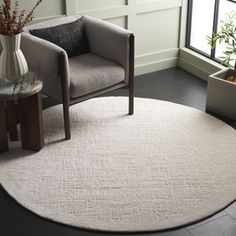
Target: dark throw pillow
(71, 37)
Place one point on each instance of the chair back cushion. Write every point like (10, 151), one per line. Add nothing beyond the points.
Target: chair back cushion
(69, 36)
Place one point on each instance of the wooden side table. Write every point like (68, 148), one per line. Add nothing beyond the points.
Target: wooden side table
(21, 102)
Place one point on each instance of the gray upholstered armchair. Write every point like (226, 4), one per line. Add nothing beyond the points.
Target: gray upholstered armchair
(109, 65)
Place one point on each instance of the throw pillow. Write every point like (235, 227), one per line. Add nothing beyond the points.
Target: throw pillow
(71, 37)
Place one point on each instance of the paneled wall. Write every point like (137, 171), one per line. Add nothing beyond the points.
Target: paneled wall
(155, 23)
(47, 9)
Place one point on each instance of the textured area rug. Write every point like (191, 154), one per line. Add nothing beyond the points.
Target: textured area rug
(167, 165)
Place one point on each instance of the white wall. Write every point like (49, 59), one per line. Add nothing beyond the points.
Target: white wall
(155, 23)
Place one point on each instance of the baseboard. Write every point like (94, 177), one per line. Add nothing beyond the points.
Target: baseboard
(193, 69)
(160, 60)
(156, 66)
(197, 64)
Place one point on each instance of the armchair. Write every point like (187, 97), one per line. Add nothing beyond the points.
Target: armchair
(108, 66)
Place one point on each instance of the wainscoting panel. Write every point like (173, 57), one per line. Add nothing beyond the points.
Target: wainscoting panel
(155, 23)
(84, 5)
(155, 31)
(154, 5)
(120, 21)
(47, 9)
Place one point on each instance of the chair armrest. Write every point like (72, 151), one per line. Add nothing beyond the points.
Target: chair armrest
(42, 56)
(109, 41)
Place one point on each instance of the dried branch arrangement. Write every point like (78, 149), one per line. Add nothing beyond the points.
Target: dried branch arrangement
(13, 20)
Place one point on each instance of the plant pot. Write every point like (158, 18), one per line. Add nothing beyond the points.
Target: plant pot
(221, 94)
(12, 61)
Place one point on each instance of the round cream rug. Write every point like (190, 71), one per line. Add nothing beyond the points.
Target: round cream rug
(167, 165)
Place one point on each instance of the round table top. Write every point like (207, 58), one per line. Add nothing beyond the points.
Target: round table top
(28, 85)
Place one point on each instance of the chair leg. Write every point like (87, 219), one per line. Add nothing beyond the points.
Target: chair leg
(131, 99)
(131, 75)
(66, 115)
(65, 95)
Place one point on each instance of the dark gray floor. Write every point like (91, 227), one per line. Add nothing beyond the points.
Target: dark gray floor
(173, 85)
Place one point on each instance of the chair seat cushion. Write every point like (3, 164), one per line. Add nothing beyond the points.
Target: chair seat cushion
(90, 73)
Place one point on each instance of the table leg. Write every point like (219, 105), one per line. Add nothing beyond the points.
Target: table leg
(3, 129)
(12, 120)
(31, 122)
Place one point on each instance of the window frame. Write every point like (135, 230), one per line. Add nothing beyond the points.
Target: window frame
(214, 29)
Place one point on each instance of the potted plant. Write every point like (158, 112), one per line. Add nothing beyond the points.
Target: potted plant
(12, 21)
(221, 90)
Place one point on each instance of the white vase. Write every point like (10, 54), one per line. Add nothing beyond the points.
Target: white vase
(12, 61)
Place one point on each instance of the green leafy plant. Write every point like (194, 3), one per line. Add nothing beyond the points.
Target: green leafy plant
(227, 35)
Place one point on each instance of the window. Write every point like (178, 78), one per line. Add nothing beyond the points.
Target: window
(204, 17)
